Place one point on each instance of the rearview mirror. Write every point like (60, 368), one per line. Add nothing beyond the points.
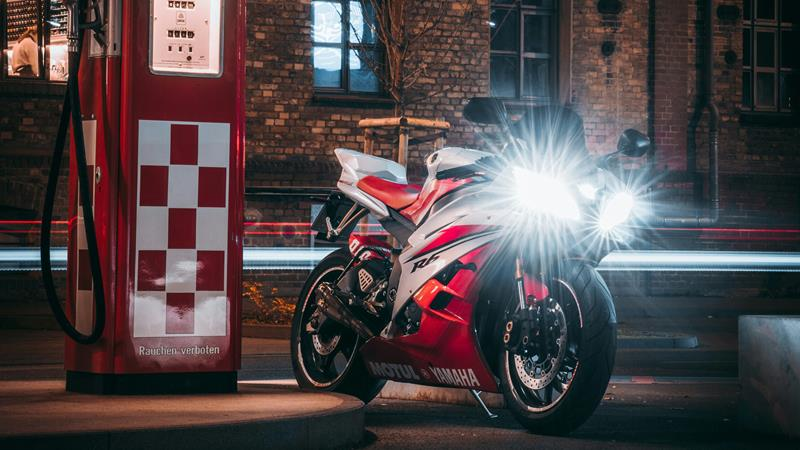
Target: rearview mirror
(485, 110)
(633, 143)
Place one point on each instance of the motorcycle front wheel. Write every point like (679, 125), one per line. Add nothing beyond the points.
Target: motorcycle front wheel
(558, 383)
(325, 354)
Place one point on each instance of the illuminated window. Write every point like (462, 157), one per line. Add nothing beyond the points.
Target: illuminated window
(523, 49)
(769, 58)
(345, 48)
(34, 40)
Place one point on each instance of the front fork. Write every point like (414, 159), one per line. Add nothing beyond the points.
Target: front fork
(519, 278)
(532, 292)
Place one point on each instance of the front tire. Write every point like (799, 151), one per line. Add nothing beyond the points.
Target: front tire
(328, 361)
(587, 359)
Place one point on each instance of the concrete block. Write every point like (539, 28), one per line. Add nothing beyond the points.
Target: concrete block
(769, 372)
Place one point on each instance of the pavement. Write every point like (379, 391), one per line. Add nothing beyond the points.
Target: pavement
(658, 398)
(631, 416)
(38, 413)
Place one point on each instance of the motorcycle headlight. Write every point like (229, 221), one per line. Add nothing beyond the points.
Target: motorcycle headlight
(587, 190)
(544, 194)
(615, 211)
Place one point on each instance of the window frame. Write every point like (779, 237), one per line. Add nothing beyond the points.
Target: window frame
(750, 67)
(553, 56)
(344, 91)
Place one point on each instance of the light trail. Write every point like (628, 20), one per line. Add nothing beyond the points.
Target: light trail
(305, 258)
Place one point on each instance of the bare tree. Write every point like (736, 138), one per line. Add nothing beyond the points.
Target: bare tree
(406, 29)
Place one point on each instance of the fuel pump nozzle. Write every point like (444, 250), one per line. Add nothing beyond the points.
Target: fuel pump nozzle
(74, 25)
(71, 112)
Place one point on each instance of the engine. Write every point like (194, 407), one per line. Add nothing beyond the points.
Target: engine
(367, 282)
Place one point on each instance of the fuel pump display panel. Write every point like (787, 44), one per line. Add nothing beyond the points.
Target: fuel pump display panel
(185, 37)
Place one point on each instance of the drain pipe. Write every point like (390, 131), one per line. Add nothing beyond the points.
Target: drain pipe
(711, 215)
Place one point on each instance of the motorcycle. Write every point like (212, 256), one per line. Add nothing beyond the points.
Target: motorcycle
(493, 286)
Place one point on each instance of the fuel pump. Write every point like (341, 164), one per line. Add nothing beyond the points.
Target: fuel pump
(156, 107)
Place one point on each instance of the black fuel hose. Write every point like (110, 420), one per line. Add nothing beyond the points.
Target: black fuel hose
(72, 111)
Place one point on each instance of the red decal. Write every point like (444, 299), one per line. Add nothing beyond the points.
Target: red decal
(180, 313)
(211, 187)
(451, 234)
(182, 228)
(183, 144)
(210, 270)
(152, 270)
(153, 186)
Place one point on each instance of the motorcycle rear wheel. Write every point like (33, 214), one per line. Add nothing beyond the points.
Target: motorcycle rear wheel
(329, 363)
(592, 336)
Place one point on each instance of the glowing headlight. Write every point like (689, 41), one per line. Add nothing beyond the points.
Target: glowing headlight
(588, 190)
(544, 194)
(616, 211)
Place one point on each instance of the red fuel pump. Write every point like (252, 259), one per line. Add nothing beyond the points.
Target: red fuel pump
(155, 306)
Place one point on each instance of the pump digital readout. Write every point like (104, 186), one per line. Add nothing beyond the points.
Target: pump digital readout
(186, 37)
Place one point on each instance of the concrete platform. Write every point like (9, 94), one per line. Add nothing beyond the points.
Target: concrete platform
(40, 414)
(769, 372)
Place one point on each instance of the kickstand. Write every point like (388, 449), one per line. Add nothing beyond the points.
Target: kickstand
(481, 404)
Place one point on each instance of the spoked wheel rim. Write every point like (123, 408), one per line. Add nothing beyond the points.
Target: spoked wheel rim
(539, 382)
(324, 357)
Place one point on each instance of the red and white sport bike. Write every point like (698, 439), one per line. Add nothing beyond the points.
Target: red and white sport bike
(494, 287)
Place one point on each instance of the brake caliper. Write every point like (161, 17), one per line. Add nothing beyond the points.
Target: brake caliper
(521, 329)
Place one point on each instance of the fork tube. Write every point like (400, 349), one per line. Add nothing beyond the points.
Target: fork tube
(520, 279)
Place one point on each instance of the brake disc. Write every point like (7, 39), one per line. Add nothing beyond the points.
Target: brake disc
(325, 347)
(536, 371)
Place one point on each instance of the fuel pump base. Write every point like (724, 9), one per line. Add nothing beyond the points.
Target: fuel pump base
(159, 383)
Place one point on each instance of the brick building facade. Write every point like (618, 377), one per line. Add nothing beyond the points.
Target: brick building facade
(638, 67)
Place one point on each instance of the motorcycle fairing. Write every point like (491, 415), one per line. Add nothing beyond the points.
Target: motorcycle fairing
(356, 166)
(444, 351)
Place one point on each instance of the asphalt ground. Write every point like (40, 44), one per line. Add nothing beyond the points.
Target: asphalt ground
(657, 399)
(636, 416)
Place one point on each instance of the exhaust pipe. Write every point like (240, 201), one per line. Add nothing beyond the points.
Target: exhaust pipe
(334, 309)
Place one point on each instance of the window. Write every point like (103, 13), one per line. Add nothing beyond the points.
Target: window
(345, 48)
(523, 50)
(36, 31)
(769, 59)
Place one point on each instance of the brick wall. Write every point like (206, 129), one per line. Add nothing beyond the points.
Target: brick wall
(609, 92)
(291, 134)
(288, 128)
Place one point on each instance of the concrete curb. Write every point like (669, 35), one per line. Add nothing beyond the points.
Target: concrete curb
(339, 427)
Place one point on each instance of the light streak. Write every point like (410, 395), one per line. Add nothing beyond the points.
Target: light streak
(304, 258)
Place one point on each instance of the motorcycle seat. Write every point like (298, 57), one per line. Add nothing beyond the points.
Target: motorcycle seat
(394, 195)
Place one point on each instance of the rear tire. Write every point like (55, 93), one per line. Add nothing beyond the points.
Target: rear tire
(597, 343)
(352, 378)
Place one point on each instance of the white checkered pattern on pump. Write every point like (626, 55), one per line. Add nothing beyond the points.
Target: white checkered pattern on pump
(182, 229)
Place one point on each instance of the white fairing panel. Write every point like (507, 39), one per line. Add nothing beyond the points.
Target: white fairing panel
(357, 165)
(452, 157)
